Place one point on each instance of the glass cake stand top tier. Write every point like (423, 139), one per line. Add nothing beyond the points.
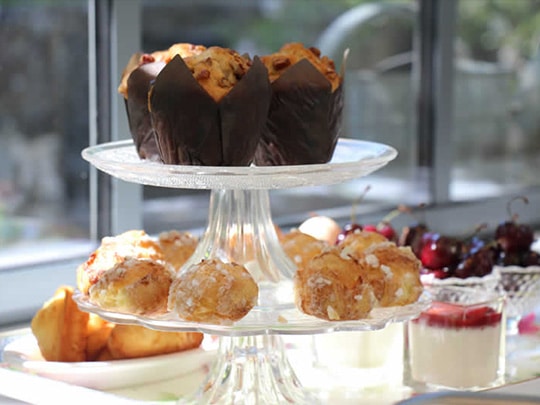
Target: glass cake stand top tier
(352, 159)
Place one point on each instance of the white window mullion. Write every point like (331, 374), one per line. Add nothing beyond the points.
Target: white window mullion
(126, 35)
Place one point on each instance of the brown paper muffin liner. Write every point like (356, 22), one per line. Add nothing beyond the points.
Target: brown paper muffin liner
(140, 125)
(304, 121)
(193, 129)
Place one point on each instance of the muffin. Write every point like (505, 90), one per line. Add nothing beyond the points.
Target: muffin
(137, 77)
(304, 119)
(209, 109)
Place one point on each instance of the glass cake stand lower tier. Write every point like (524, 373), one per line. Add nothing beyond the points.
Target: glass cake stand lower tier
(252, 366)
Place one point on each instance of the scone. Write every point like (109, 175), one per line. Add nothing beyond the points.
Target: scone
(213, 292)
(177, 247)
(332, 287)
(60, 328)
(112, 250)
(134, 286)
(305, 115)
(137, 77)
(209, 109)
(134, 341)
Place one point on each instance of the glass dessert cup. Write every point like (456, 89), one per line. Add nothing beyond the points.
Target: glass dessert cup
(488, 282)
(251, 366)
(458, 343)
(521, 285)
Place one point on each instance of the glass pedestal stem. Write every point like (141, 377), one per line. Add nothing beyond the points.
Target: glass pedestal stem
(251, 370)
(240, 230)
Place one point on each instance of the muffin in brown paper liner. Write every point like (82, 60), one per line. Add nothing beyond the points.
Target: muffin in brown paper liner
(304, 120)
(191, 128)
(137, 77)
(140, 125)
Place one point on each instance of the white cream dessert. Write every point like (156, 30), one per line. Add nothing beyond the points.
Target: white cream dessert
(456, 346)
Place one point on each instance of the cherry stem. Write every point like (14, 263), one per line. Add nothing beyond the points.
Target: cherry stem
(514, 217)
(477, 229)
(393, 214)
(357, 202)
(409, 211)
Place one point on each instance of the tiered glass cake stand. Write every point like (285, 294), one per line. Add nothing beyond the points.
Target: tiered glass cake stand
(251, 365)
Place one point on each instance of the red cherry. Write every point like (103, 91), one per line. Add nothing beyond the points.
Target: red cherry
(413, 236)
(347, 229)
(385, 229)
(512, 236)
(388, 231)
(439, 251)
(370, 228)
(479, 263)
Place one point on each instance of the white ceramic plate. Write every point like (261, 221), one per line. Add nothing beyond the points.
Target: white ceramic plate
(23, 354)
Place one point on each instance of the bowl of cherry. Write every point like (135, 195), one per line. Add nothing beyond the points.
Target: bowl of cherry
(452, 261)
(504, 261)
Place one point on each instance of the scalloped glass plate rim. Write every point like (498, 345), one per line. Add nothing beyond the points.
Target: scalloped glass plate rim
(386, 152)
(280, 321)
(380, 154)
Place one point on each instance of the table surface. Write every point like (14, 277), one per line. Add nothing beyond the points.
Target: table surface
(523, 377)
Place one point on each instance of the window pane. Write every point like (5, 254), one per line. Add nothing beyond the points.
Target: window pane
(497, 88)
(43, 127)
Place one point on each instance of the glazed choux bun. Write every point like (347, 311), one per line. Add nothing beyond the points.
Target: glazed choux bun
(332, 287)
(113, 250)
(301, 247)
(134, 286)
(212, 291)
(177, 247)
(392, 271)
(358, 241)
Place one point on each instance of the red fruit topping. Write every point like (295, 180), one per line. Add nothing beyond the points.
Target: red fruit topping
(447, 315)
